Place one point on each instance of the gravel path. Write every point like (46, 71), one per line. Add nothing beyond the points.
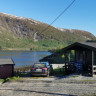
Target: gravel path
(69, 86)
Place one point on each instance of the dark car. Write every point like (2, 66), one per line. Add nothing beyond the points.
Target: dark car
(41, 69)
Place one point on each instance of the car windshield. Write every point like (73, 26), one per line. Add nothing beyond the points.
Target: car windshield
(41, 65)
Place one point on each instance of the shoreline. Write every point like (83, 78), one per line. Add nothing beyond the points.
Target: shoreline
(16, 49)
(21, 49)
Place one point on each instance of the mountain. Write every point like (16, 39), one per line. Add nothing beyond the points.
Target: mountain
(20, 32)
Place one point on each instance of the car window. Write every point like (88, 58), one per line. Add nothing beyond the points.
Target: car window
(41, 65)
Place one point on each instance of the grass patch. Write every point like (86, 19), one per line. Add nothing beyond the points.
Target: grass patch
(22, 71)
(89, 95)
(88, 80)
(59, 71)
(14, 78)
(37, 77)
(1, 80)
(74, 76)
(22, 74)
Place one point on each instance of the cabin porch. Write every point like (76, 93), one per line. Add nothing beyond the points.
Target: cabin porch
(83, 62)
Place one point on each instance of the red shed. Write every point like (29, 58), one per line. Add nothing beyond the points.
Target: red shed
(6, 68)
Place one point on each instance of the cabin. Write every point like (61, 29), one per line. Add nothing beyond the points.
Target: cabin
(84, 61)
(6, 68)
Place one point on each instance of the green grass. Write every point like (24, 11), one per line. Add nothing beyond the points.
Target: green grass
(59, 71)
(52, 38)
(8, 40)
(30, 44)
(1, 80)
(14, 78)
(75, 76)
(22, 74)
(89, 95)
(88, 80)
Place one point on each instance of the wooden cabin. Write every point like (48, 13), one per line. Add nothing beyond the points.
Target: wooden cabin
(6, 68)
(84, 59)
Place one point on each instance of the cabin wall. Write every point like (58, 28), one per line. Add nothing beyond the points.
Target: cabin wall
(84, 61)
(6, 71)
(88, 63)
(94, 57)
(89, 57)
(78, 60)
(94, 64)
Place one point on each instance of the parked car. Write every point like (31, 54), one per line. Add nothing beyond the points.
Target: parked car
(41, 69)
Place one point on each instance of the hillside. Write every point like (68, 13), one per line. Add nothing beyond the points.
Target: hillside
(19, 32)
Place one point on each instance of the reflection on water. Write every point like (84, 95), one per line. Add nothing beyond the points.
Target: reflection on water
(24, 58)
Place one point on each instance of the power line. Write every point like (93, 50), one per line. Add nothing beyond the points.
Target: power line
(60, 14)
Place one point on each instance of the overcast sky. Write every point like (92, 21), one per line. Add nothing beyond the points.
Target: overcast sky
(81, 15)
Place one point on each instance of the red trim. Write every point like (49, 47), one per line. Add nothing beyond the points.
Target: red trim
(44, 68)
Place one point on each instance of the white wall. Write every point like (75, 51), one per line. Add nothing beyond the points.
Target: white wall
(57, 65)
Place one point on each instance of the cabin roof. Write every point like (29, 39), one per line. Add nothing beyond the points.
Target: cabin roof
(86, 45)
(6, 62)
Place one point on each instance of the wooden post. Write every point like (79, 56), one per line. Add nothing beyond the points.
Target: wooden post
(75, 56)
(65, 62)
(75, 61)
(69, 57)
(92, 61)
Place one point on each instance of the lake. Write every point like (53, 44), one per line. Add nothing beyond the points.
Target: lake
(24, 58)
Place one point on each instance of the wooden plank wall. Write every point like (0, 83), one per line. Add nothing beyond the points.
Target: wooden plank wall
(94, 66)
(94, 57)
(89, 62)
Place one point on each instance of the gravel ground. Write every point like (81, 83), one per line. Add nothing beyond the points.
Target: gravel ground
(53, 86)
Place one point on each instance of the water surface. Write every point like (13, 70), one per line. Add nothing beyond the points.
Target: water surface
(24, 58)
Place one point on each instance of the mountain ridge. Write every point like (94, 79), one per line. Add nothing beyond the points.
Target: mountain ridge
(19, 28)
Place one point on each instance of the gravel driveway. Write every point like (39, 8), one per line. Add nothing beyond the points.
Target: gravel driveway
(61, 86)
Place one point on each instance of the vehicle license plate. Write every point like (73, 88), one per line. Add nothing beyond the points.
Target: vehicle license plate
(39, 70)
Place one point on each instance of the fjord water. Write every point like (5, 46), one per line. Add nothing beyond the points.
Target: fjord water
(24, 58)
